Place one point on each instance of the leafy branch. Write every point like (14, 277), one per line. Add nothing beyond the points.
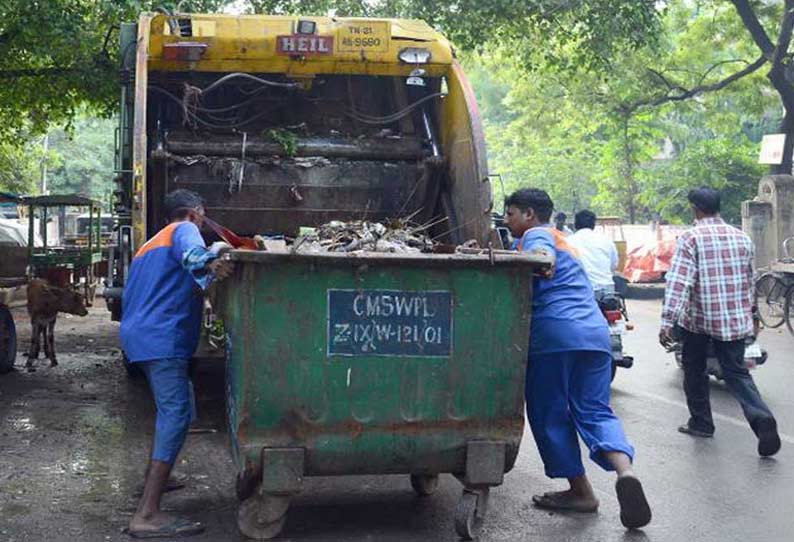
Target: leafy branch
(677, 93)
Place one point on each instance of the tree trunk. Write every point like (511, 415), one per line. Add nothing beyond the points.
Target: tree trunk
(776, 53)
(786, 127)
(628, 172)
(785, 88)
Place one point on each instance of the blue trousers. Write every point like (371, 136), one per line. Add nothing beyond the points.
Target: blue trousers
(568, 393)
(176, 406)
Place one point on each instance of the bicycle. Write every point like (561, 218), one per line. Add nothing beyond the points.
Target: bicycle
(774, 297)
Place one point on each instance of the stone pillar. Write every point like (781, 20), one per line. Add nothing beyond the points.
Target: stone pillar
(757, 222)
(769, 218)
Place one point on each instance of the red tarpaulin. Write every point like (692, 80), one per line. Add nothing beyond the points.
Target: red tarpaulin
(648, 262)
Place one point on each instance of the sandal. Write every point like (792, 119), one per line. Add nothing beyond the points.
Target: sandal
(634, 509)
(178, 528)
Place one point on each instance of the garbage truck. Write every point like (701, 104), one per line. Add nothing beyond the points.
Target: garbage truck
(345, 363)
(284, 122)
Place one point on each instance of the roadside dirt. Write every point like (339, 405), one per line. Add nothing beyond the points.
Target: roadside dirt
(74, 440)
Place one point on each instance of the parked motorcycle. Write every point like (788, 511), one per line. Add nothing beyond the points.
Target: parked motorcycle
(613, 307)
(754, 355)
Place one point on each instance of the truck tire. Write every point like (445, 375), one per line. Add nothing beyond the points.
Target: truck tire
(8, 341)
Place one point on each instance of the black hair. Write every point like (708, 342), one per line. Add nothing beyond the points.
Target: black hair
(561, 216)
(584, 219)
(705, 199)
(178, 203)
(532, 198)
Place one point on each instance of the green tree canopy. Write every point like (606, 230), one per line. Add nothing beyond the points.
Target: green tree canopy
(615, 103)
(82, 159)
(592, 29)
(614, 139)
(59, 55)
(21, 165)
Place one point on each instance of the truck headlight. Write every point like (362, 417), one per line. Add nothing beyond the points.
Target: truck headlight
(306, 27)
(414, 55)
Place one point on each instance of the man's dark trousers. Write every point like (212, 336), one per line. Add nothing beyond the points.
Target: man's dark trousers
(730, 355)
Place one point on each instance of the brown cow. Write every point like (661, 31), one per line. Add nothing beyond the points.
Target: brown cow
(44, 303)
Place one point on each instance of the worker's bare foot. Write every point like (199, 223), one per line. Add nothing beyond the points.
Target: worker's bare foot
(566, 500)
(160, 525)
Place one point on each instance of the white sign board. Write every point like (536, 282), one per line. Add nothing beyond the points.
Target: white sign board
(772, 149)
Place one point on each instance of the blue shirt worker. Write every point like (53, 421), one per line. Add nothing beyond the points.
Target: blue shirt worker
(160, 329)
(569, 372)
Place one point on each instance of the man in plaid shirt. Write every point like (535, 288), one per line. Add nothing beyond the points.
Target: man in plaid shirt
(710, 296)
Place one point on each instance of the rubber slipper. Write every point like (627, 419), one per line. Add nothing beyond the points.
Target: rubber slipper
(634, 509)
(552, 501)
(180, 527)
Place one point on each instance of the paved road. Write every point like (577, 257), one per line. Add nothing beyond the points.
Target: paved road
(73, 442)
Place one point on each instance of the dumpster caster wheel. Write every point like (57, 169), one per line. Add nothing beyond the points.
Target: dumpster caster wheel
(424, 484)
(470, 511)
(262, 518)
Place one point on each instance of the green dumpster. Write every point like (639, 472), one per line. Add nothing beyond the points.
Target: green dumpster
(374, 364)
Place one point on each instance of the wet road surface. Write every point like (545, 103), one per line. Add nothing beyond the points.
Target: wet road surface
(74, 441)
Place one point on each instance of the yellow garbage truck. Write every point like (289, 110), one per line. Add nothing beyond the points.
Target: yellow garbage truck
(283, 122)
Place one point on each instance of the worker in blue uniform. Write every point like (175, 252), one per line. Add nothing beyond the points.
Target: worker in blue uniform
(569, 372)
(160, 328)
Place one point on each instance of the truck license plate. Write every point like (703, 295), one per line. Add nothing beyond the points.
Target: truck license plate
(368, 36)
(389, 323)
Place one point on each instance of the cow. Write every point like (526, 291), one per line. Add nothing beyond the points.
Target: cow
(44, 303)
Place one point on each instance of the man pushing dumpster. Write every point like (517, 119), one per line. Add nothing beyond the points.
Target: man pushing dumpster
(569, 372)
(160, 330)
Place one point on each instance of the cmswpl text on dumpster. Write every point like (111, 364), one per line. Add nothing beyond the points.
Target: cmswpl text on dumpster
(389, 323)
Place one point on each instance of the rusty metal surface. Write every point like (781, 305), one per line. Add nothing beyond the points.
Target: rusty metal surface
(298, 427)
(371, 169)
(468, 187)
(139, 137)
(263, 199)
(370, 148)
(343, 169)
(485, 260)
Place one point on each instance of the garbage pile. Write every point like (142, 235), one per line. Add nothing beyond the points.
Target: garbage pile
(397, 237)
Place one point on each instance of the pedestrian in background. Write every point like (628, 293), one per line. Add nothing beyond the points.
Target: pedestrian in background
(597, 252)
(560, 223)
(569, 372)
(710, 296)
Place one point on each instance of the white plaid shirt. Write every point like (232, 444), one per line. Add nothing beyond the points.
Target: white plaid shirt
(710, 282)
